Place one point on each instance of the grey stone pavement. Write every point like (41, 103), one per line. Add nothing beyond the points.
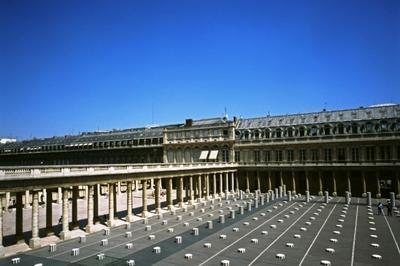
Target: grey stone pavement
(302, 233)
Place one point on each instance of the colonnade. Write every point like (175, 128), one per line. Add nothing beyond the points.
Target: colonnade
(200, 186)
(301, 181)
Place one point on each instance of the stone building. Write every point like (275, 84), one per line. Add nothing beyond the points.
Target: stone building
(342, 150)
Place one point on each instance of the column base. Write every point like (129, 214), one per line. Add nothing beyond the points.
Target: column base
(129, 218)
(158, 210)
(320, 193)
(247, 190)
(398, 196)
(181, 205)
(293, 192)
(378, 195)
(334, 194)
(110, 223)
(65, 235)
(364, 195)
(170, 207)
(2, 251)
(144, 214)
(35, 242)
(89, 229)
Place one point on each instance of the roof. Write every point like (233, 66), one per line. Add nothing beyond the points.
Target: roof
(362, 113)
(90, 137)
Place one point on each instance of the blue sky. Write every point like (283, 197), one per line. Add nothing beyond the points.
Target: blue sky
(72, 66)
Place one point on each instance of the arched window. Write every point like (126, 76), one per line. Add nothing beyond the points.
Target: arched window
(314, 131)
(327, 130)
(302, 132)
(369, 127)
(278, 133)
(354, 128)
(267, 134)
(383, 125)
(246, 134)
(340, 129)
(290, 132)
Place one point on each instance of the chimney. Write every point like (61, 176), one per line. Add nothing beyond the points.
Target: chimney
(189, 122)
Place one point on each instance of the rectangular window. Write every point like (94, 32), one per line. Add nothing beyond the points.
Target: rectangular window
(341, 154)
(355, 155)
(289, 155)
(385, 153)
(225, 155)
(328, 155)
(267, 156)
(278, 155)
(370, 153)
(237, 156)
(257, 156)
(314, 155)
(302, 155)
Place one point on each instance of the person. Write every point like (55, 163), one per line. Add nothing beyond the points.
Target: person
(389, 208)
(380, 207)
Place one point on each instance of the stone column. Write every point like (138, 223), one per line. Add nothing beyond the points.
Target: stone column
(269, 181)
(237, 182)
(378, 186)
(144, 198)
(129, 216)
(8, 196)
(49, 212)
(233, 183)
(75, 195)
(152, 183)
(293, 183)
(281, 178)
(34, 242)
(348, 181)
(221, 184)
(364, 184)
(90, 211)
(19, 234)
(247, 182)
(398, 185)
(59, 195)
(214, 185)
(111, 191)
(2, 250)
(334, 184)
(157, 195)
(26, 205)
(118, 188)
(96, 204)
(321, 188)
(207, 186)
(136, 185)
(200, 187)
(258, 181)
(180, 189)
(191, 190)
(226, 184)
(169, 194)
(307, 182)
(65, 233)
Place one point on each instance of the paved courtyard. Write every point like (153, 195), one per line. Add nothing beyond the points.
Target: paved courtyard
(278, 233)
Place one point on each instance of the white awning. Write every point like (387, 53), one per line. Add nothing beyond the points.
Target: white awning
(203, 155)
(213, 155)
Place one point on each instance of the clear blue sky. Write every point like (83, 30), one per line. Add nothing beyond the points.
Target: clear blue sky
(71, 66)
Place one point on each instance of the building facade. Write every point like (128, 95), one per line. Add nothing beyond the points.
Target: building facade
(355, 150)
